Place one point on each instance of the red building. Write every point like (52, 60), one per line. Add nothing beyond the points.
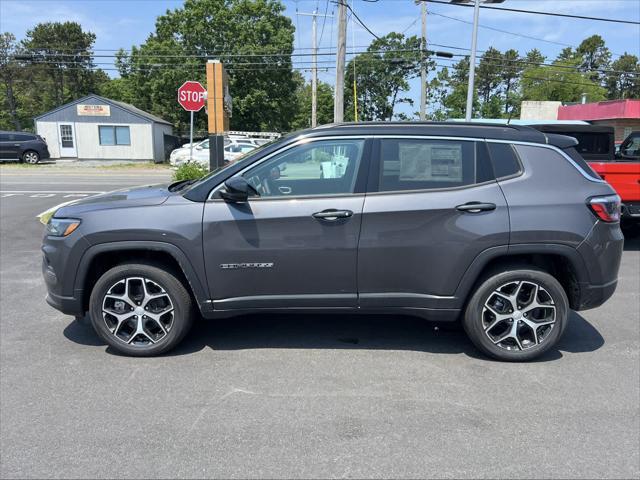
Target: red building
(623, 115)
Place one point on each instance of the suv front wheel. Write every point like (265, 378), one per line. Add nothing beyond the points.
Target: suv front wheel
(517, 315)
(140, 309)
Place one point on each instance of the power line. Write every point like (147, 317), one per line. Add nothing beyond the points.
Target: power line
(513, 33)
(357, 18)
(324, 19)
(535, 12)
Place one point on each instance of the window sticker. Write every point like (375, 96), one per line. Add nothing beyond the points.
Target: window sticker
(430, 162)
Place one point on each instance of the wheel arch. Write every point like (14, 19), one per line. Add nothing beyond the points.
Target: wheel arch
(100, 258)
(561, 261)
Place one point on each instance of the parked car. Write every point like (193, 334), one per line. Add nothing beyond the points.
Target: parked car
(619, 167)
(23, 146)
(232, 151)
(503, 227)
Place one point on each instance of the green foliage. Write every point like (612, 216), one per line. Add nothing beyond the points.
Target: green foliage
(221, 29)
(324, 113)
(190, 171)
(560, 82)
(51, 66)
(624, 80)
(382, 74)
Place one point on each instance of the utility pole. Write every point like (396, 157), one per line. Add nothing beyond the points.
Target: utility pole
(423, 66)
(338, 101)
(472, 62)
(314, 73)
(314, 69)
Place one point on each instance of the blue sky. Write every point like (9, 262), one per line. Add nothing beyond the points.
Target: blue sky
(123, 23)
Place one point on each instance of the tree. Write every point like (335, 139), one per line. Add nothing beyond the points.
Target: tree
(561, 82)
(324, 102)
(534, 57)
(252, 37)
(624, 80)
(62, 53)
(8, 72)
(595, 56)
(455, 102)
(382, 74)
(511, 71)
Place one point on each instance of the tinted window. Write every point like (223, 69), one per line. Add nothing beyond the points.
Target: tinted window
(504, 159)
(23, 137)
(318, 168)
(592, 143)
(4, 137)
(415, 164)
(631, 147)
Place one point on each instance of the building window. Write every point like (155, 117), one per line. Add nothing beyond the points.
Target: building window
(112, 135)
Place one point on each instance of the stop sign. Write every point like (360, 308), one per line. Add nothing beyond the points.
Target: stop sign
(192, 95)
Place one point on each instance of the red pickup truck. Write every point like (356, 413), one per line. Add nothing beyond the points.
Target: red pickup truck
(621, 168)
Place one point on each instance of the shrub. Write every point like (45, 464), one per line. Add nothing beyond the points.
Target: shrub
(190, 171)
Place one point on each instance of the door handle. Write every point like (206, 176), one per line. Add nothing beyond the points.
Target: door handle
(476, 207)
(332, 214)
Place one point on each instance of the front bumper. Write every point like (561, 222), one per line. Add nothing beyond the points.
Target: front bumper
(60, 256)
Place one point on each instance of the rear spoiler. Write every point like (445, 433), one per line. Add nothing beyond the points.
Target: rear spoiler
(560, 141)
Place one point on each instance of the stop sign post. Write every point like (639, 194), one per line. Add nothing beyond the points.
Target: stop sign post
(192, 96)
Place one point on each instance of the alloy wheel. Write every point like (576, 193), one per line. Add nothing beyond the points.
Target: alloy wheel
(518, 315)
(138, 311)
(31, 157)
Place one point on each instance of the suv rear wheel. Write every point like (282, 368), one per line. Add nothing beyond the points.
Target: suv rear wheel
(30, 156)
(517, 315)
(140, 310)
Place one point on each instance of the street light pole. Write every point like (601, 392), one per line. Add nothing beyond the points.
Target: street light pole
(472, 62)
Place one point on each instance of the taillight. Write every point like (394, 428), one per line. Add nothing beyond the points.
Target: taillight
(606, 208)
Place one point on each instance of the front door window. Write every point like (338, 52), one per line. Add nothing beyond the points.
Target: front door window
(325, 167)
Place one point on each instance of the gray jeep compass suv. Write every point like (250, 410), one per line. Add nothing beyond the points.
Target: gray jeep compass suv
(504, 227)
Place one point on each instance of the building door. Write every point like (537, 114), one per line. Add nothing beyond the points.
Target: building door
(67, 140)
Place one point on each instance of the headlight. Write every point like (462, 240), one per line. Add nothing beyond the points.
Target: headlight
(61, 227)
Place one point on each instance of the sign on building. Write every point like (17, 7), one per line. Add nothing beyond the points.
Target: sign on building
(94, 110)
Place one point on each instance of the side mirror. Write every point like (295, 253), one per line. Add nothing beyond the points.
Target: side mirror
(236, 190)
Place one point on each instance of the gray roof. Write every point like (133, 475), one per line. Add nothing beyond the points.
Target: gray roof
(125, 106)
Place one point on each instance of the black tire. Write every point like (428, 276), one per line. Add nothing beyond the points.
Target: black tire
(473, 317)
(31, 157)
(181, 301)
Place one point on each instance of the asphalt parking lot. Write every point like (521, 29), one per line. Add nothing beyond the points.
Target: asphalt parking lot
(288, 397)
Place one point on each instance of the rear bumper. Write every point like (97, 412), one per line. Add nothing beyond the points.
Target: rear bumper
(602, 253)
(592, 296)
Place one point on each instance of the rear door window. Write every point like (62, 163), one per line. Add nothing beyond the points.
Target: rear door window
(504, 159)
(425, 164)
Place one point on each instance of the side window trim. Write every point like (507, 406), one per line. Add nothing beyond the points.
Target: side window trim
(361, 174)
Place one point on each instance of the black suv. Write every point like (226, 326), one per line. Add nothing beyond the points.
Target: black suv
(27, 147)
(503, 226)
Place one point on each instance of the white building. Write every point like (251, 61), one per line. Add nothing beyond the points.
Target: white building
(95, 127)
